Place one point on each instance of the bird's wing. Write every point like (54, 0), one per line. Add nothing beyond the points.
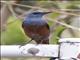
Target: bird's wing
(47, 26)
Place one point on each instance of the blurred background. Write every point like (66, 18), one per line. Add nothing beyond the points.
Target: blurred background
(64, 21)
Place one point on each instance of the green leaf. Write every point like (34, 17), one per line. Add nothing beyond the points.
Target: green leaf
(13, 33)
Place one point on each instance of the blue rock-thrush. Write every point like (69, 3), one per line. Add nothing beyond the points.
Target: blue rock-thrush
(36, 27)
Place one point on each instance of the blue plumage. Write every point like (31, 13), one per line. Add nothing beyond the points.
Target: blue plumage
(34, 19)
(36, 27)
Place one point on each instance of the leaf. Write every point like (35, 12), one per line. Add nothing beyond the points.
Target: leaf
(13, 33)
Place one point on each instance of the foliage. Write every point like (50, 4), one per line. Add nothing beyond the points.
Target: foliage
(14, 33)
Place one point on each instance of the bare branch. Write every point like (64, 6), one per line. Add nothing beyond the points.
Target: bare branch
(12, 11)
(4, 16)
(68, 26)
(56, 10)
(35, 7)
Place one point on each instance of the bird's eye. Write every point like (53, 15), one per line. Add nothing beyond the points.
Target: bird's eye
(35, 13)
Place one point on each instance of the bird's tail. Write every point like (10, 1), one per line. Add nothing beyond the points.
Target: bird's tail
(43, 41)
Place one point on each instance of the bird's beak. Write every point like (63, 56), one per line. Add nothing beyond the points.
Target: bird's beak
(46, 13)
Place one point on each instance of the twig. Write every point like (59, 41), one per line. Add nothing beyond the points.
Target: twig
(12, 11)
(71, 10)
(68, 26)
(21, 16)
(56, 10)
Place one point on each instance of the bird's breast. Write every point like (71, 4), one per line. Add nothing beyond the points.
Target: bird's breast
(34, 22)
(35, 28)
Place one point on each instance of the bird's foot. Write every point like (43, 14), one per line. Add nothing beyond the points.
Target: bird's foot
(25, 43)
(22, 45)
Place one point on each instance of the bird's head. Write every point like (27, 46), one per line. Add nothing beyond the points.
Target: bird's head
(38, 14)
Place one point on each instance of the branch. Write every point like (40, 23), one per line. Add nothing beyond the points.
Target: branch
(5, 13)
(56, 10)
(53, 10)
(66, 25)
(12, 11)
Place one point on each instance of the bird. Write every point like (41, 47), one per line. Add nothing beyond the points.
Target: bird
(36, 28)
